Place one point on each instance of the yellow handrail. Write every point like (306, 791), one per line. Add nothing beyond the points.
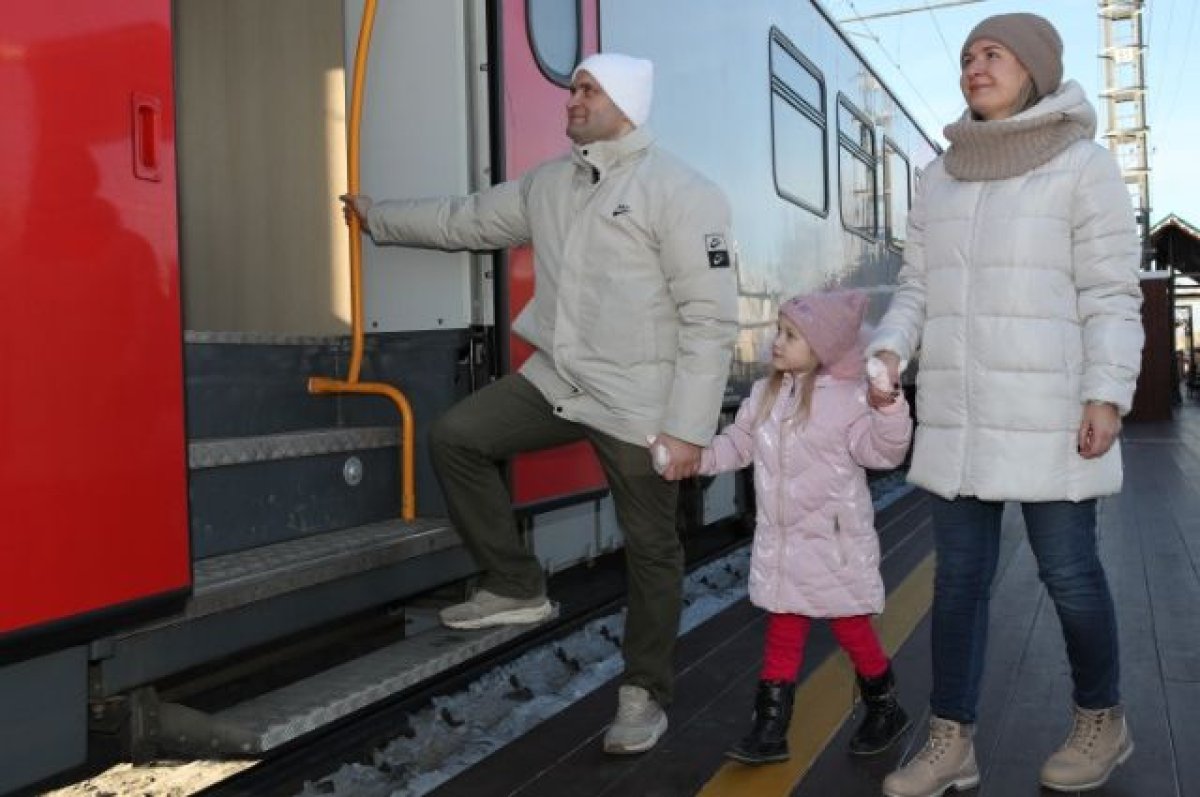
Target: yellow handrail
(327, 385)
(354, 149)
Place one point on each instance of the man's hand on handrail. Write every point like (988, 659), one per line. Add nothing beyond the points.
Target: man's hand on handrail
(356, 205)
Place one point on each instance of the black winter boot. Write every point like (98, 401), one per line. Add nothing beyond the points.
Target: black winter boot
(885, 720)
(767, 741)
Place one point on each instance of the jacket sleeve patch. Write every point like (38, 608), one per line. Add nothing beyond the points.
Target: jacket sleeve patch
(718, 251)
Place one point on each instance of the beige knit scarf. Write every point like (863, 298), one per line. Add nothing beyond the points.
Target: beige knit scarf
(1006, 148)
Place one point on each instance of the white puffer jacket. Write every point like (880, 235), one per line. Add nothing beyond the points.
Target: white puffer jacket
(635, 306)
(1023, 295)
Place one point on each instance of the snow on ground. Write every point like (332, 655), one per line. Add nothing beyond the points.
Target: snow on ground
(460, 729)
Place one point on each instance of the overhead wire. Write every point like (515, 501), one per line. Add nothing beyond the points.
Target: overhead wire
(1181, 71)
(937, 116)
(937, 26)
(1162, 62)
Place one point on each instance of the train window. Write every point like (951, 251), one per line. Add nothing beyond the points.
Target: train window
(856, 162)
(790, 68)
(555, 33)
(799, 157)
(798, 127)
(897, 194)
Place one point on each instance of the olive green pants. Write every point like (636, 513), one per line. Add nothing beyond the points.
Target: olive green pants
(510, 416)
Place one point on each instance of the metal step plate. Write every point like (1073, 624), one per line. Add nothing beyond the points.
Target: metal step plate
(227, 582)
(224, 451)
(280, 716)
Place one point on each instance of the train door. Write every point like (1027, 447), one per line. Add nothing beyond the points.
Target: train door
(92, 469)
(93, 519)
(424, 134)
(540, 41)
(459, 96)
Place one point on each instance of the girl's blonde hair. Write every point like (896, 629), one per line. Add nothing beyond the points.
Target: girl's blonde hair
(807, 382)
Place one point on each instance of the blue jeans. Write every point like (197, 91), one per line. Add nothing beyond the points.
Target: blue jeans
(1062, 535)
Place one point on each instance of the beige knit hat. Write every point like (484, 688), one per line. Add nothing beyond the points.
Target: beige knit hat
(1032, 39)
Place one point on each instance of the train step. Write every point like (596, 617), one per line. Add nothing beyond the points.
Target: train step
(223, 582)
(260, 722)
(241, 383)
(267, 721)
(256, 490)
(244, 383)
(257, 597)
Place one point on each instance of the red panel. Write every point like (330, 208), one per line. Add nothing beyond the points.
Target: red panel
(534, 131)
(93, 487)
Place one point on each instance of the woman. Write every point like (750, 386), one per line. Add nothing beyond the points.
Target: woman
(1021, 287)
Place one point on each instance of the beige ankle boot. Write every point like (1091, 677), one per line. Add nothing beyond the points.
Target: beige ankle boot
(1099, 741)
(948, 759)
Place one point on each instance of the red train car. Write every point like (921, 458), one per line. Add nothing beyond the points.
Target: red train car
(93, 490)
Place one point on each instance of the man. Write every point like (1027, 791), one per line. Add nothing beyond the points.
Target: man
(632, 320)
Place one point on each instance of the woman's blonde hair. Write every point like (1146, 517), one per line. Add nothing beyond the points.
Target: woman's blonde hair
(1028, 97)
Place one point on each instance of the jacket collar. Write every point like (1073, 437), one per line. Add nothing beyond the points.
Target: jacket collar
(600, 157)
(790, 382)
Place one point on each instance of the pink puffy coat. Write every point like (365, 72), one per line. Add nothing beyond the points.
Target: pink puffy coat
(816, 552)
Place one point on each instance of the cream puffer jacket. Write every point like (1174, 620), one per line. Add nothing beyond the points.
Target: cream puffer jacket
(815, 550)
(635, 308)
(1023, 295)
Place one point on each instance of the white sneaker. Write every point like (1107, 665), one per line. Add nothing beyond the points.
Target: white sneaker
(487, 609)
(639, 724)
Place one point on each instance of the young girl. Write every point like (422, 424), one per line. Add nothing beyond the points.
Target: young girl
(809, 432)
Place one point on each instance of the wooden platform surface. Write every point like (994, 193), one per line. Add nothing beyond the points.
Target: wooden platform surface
(1150, 544)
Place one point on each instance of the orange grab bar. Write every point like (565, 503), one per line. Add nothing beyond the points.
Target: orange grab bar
(326, 385)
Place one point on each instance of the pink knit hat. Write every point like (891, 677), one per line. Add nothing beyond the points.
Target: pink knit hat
(830, 322)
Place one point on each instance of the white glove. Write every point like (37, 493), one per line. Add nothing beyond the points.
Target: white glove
(877, 372)
(659, 455)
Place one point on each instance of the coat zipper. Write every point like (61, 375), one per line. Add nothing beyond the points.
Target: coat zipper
(968, 382)
(783, 525)
(777, 580)
(569, 245)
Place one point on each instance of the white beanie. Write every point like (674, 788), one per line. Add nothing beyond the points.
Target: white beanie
(628, 81)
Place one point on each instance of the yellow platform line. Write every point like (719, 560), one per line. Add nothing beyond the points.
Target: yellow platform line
(826, 698)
